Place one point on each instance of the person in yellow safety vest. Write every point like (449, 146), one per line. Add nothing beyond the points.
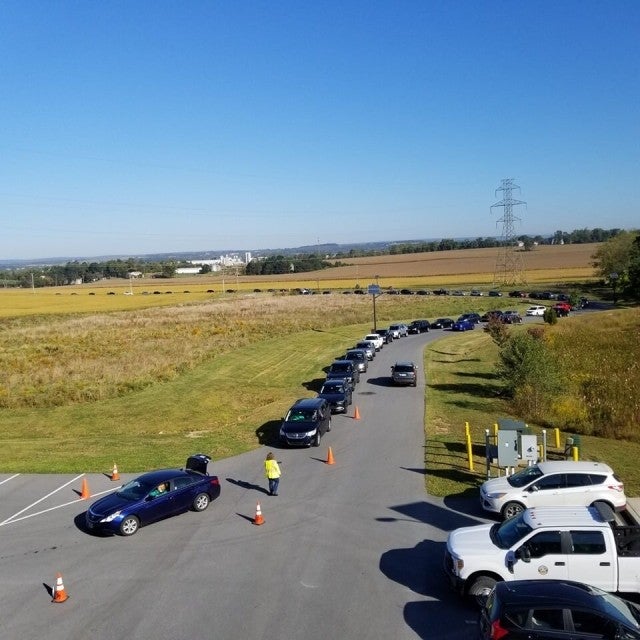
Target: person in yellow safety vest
(272, 473)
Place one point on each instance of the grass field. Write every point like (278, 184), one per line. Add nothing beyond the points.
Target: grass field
(86, 380)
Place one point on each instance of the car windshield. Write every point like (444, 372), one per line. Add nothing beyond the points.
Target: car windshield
(621, 609)
(510, 531)
(404, 368)
(340, 368)
(524, 477)
(134, 490)
(300, 415)
(332, 388)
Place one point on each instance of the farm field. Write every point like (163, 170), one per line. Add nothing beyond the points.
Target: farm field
(544, 266)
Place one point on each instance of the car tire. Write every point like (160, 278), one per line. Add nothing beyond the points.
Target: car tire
(201, 502)
(511, 509)
(481, 587)
(414, 383)
(316, 440)
(329, 426)
(129, 526)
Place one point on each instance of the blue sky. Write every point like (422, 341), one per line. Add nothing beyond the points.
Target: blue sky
(142, 127)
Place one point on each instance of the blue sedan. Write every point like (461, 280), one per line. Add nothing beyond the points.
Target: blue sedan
(154, 496)
(463, 325)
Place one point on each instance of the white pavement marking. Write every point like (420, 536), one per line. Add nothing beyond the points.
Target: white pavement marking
(66, 504)
(15, 475)
(41, 499)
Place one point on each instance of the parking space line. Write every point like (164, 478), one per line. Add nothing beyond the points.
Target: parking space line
(40, 500)
(66, 504)
(15, 475)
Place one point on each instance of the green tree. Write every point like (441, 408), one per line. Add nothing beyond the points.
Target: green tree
(613, 258)
(633, 287)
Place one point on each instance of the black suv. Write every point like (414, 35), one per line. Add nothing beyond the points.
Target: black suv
(419, 326)
(345, 369)
(544, 609)
(306, 422)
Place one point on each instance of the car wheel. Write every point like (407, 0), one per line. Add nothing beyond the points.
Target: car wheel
(129, 526)
(414, 383)
(511, 509)
(316, 440)
(329, 426)
(201, 502)
(481, 588)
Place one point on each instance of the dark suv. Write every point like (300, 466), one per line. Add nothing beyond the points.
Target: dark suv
(545, 609)
(344, 369)
(306, 422)
(419, 326)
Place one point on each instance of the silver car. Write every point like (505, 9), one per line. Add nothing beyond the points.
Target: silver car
(359, 359)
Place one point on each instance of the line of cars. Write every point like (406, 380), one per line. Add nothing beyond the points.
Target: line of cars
(548, 570)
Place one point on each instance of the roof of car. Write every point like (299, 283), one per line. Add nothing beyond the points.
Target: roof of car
(309, 403)
(160, 475)
(537, 517)
(556, 592)
(571, 466)
(404, 363)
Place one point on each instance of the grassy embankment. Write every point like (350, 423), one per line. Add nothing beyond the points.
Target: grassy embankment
(600, 349)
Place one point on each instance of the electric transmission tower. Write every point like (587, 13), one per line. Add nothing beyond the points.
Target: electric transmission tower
(509, 265)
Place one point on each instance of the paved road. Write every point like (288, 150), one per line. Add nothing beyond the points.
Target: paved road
(351, 550)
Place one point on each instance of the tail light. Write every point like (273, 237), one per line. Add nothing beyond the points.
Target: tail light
(616, 487)
(214, 481)
(498, 631)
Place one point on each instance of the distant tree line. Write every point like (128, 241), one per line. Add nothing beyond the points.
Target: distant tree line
(286, 264)
(75, 271)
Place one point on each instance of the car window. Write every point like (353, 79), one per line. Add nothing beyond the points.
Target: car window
(544, 543)
(551, 619)
(184, 481)
(548, 483)
(299, 415)
(524, 477)
(578, 479)
(589, 622)
(590, 542)
(595, 478)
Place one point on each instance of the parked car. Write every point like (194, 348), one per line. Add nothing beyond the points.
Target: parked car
(441, 292)
(399, 330)
(359, 358)
(376, 339)
(338, 394)
(418, 326)
(542, 609)
(476, 293)
(404, 373)
(553, 483)
(495, 294)
(306, 422)
(385, 334)
(495, 313)
(457, 292)
(536, 310)
(471, 317)
(406, 292)
(423, 292)
(463, 325)
(518, 294)
(511, 317)
(154, 496)
(368, 347)
(562, 309)
(344, 369)
(442, 323)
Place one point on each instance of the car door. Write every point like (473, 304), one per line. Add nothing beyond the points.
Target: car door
(589, 560)
(185, 491)
(547, 491)
(546, 557)
(156, 507)
(579, 489)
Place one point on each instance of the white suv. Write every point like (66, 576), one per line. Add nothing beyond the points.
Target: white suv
(536, 310)
(556, 483)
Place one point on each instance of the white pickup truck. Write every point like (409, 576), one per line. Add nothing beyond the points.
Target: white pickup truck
(585, 544)
(376, 339)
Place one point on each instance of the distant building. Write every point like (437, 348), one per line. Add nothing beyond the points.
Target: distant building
(188, 270)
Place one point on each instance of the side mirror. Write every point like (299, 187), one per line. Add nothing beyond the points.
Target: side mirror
(524, 553)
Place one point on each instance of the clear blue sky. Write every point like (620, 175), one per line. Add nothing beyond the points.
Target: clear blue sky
(141, 127)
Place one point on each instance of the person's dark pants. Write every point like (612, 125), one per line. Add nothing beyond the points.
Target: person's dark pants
(273, 486)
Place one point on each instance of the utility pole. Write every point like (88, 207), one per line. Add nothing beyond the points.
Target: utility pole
(509, 264)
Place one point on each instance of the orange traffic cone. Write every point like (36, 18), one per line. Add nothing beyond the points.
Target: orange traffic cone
(59, 594)
(356, 413)
(114, 474)
(330, 459)
(258, 519)
(84, 493)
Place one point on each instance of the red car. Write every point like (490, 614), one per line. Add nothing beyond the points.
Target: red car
(562, 308)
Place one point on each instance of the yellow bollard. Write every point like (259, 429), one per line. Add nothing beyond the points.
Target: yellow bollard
(495, 431)
(557, 432)
(466, 430)
(575, 453)
(470, 451)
